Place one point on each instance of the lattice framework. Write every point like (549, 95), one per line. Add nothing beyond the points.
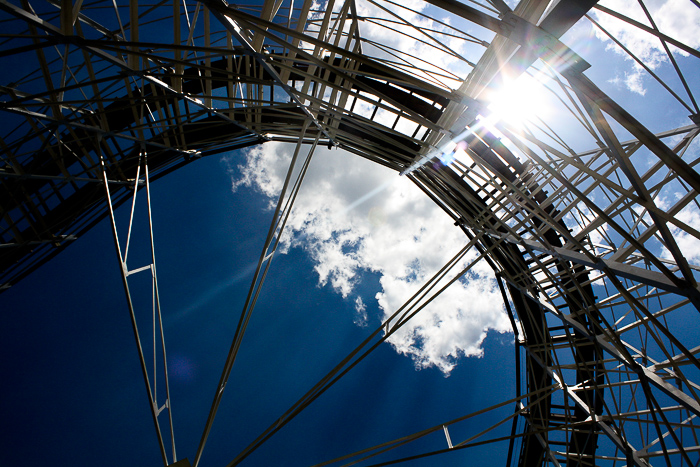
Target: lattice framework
(586, 243)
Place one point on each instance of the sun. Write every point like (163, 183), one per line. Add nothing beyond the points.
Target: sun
(517, 104)
(519, 101)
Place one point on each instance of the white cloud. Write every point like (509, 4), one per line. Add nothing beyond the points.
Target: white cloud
(360, 313)
(687, 243)
(265, 172)
(632, 80)
(353, 216)
(676, 18)
(455, 324)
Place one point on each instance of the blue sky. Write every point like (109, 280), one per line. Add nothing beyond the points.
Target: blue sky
(73, 393)
(73, 384)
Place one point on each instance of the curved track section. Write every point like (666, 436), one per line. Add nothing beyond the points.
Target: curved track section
(586, 226)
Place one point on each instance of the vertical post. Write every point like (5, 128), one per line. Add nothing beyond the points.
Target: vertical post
(134, 32)
(125, 283)
(447, 436)
(207, 61)
(66, 17)
(156, 299)
(177, 41)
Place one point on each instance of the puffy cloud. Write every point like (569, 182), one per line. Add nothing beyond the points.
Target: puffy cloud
(632, 80)
(454, 324)
(352, 216)
(360, 313)
(687, 243)
(264, 171)
(675, 18)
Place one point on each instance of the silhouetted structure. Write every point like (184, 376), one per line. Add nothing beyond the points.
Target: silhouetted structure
(585, 235)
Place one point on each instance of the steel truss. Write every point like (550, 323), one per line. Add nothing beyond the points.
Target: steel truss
(586, 230)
